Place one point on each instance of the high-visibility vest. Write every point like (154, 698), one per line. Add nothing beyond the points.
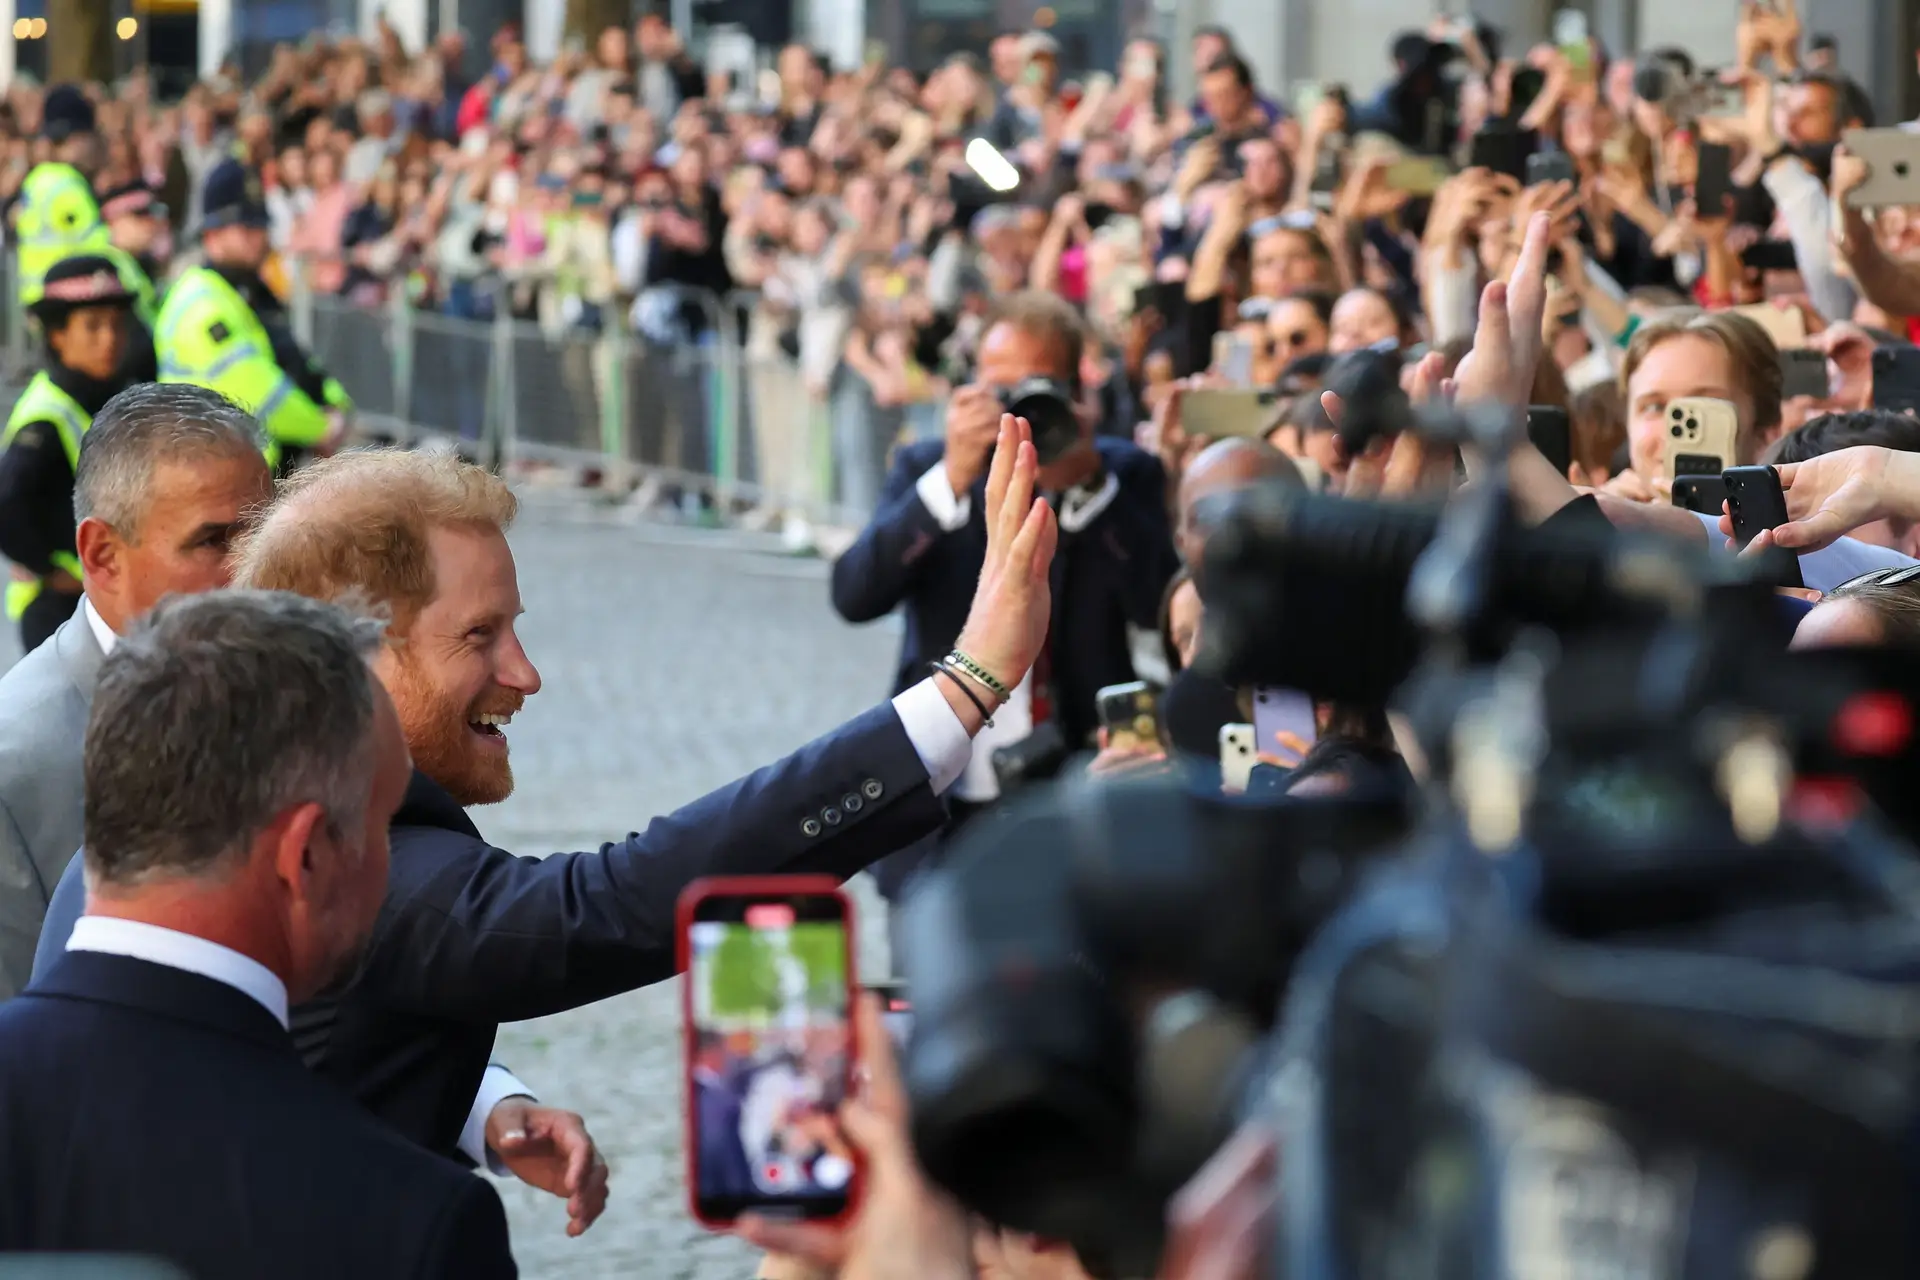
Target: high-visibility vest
(57, 217)
(136, 281)
(44, 401)
(207, 335)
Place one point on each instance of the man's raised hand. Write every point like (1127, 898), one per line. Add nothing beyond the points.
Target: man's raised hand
(1507, 343)
(1012, 605)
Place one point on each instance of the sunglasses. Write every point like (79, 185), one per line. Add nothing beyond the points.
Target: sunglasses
(1294, 338)
(1899, 576)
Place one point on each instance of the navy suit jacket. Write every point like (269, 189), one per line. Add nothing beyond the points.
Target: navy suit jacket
(1111, 573)
(147, 1110)
(472, 936)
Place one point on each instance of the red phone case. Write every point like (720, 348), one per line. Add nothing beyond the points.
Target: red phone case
(755, 887)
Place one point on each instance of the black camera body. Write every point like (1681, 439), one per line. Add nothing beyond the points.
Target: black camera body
(1048, 406)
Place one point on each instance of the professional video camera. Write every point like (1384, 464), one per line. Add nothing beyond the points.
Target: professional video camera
(1636, 999)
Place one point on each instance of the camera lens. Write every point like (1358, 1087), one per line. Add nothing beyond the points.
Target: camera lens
(1677, 431)
(1679, 414)
(1693, 426)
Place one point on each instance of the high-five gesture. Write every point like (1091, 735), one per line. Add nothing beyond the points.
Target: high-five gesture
(1013, 603)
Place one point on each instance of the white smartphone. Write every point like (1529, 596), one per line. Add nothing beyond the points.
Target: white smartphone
(1238, 755)
(1700, 437)
(1285, 724)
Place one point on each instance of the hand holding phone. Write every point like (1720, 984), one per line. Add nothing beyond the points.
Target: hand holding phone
(767, 1005)
(1755, 503)
(1130, 716)
(1285, 725)
(1700, 437)
(1239, 752)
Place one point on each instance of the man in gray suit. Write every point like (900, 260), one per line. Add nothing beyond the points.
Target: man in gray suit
(166, 475)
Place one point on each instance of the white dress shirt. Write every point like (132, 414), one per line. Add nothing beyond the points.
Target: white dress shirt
(176, 950)
(101, 631)
(1079, 507)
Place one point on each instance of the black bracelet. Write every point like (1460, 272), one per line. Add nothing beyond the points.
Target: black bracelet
(942, 669)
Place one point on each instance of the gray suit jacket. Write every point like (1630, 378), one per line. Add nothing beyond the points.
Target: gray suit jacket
(44, 701)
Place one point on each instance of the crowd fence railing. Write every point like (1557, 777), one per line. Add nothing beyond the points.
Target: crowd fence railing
(709, 414)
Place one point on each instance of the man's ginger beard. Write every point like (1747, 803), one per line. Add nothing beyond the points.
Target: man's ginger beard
(443, 745)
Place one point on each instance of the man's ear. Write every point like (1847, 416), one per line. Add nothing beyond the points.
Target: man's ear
(99, 546)
(291, 836)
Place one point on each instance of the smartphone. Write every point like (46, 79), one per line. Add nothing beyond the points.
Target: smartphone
(1238, 754)
(896, 1012)
(1233, 358)
(1803, 373)
(1785, 325)
(1893, 161)
(1168, 297)
(1755, 503)
(1769, 255)
(1130, 715)
(1285, 724)
(1896, 379)
(1499, 149)
(767, 1005)
(1549, 166)
(1713, 185)
(1417, 175)
(1218, 413)
(1551, 432)
(1704, 494)
(1700, 437)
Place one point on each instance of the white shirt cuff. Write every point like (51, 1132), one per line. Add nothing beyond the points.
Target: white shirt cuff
(952, 513)
(496, 1085)
(1080, 508)
(939, 739)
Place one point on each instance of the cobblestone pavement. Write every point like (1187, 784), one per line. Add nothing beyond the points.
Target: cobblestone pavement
(654, 648)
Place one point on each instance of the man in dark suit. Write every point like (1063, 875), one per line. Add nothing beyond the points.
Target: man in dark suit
(242, 764)
(719, 1101)
(472, 936)
(925, 546)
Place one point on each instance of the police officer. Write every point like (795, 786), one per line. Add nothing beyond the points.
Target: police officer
(56, 216)
(83, 310)
(221, 327)
(137, 222)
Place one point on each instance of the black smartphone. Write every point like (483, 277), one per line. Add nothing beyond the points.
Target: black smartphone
(1549, 166)
(1713, 185)
(1896, 378)
(1168, 297)
(1704, 494)
(1769, 255)
(1755, 503)
(1803, 373)
(1551, 432)
(1500, 150)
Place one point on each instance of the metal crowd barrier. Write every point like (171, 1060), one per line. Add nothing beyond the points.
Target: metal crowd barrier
(704, 415)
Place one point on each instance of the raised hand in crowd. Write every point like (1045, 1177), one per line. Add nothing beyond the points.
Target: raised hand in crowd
(1007, 625)
(1836, 493)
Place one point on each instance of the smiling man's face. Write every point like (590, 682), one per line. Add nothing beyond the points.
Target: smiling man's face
(459, 673)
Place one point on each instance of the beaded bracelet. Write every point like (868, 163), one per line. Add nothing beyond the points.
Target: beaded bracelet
(942, 669)
(986, 678)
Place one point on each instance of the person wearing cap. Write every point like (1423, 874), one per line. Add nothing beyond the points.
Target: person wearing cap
(56, 215)
(83, 311)
(222, 328)
(137, 227)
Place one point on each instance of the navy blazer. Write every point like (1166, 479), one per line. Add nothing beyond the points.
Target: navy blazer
(472, 936)
(1111, 573)
(148, 1110)
(724, 1170)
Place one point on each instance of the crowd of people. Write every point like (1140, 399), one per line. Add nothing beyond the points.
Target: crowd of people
(1554, 228)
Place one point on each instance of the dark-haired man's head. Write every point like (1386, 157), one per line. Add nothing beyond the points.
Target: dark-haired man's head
(1219, 471)
(1226, 89)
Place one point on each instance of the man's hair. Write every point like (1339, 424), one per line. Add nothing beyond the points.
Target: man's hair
(357, 523)
(1832, 432)
(1321, 300)
(145, 425)
(1894, 597)
(1755, 360)
(215, 714)
(1046, 316)
(1234, 63)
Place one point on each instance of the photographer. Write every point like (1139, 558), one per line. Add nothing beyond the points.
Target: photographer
(922, 550)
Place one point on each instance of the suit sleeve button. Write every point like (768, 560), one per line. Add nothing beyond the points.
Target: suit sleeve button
(810, 828)
(872, 789)
(830, 816)
(852, 802)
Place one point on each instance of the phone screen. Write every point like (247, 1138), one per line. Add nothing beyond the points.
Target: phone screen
(769, 1047)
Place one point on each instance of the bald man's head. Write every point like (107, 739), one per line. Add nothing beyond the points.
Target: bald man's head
(1222, 469)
